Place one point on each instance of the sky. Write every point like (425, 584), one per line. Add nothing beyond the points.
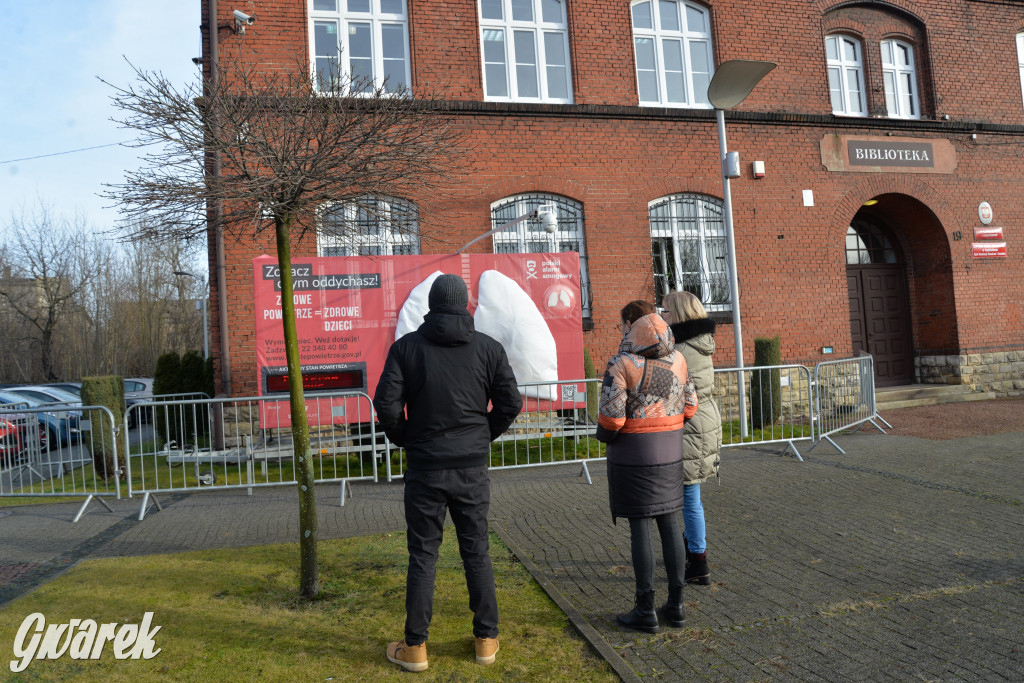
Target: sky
(51, 100)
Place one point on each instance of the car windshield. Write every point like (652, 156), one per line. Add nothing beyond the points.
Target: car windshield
(8, 397)
(45, 396)
(71, 389)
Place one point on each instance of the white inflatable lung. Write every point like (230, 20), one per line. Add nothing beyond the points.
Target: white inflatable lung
(507, 313)
(415, 307)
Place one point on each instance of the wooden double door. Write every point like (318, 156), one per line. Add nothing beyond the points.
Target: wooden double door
(880, 320)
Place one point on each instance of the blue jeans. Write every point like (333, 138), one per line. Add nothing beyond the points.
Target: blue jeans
(693, 519)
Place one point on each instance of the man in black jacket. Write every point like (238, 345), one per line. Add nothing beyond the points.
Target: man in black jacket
(432, 400)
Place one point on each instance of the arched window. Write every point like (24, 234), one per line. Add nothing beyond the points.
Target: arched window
(529, 236)
(360, 43)
(525, 48)
(672, 40)
(689, 248)
(900, 80)
(368, 226)
(846, 75)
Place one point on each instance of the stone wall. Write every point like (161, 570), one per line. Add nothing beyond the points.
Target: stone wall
(1000, 372)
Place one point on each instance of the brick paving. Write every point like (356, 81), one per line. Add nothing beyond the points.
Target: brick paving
(900, 560)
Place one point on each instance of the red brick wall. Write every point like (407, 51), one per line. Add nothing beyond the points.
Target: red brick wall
(614, 158)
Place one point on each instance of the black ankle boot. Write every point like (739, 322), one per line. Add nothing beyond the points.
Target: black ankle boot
(672, 610)
(697, 569)
(643, 617)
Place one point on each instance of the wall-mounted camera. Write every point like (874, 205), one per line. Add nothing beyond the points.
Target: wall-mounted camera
(242, 20)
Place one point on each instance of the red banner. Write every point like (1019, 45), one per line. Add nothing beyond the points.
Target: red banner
(347, 311)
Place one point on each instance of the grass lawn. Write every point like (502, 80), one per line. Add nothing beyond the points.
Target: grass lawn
(233, 615)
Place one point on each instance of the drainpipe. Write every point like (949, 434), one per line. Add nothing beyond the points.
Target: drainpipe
(222, 296)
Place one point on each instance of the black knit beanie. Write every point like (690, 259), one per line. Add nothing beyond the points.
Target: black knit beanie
(448, 291)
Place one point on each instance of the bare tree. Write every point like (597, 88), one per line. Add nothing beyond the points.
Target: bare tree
(50, 268)
(285, 143)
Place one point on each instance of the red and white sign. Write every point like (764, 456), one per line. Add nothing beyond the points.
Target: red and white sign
(347, 310)
(988, 233)
(988, 249)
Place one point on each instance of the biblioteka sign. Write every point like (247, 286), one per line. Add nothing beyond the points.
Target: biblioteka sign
(877, 154)
(82, 639)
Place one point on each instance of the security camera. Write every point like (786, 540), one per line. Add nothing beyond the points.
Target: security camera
(242, 20)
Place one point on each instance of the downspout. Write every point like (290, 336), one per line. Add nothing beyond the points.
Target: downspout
(222, 296)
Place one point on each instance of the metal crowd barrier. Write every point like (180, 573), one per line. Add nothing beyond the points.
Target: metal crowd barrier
(554, 428)
(220, 444)
(57, 450)
(778, 407)
(845, 397)
(216, 444)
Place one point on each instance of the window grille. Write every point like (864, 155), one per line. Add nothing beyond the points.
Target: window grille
(529, 236)
(367, 226)
(867, 243)
(688, 247)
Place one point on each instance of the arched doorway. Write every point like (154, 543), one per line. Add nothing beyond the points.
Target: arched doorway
(880, 320)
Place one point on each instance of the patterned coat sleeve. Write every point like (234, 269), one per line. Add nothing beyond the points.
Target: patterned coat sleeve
(612, 413)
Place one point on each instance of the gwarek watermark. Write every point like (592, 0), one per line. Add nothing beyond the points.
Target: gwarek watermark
(82, 639)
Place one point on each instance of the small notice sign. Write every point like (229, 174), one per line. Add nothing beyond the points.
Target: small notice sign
(988, 233)
(988, 249)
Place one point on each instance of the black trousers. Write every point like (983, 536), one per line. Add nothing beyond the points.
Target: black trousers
(466, 494)
(643, 551)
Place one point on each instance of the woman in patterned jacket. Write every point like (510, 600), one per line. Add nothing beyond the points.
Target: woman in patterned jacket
(645, 399)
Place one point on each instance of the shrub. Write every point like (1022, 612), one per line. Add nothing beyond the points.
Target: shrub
(209, 387)
(766, 385)
(108, 392)
(167, 380)
(593, 389)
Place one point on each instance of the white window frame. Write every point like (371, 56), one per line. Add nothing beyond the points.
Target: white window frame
(1020, 62)
(847, 70)
(683, 224)
(529, 236)
(371, 228)
(691, 41)
(544, 61)
(343, 22)
(901, 94)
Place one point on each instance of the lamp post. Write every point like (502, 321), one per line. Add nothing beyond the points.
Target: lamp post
(732, 82)
(206, 336)
(544, 213)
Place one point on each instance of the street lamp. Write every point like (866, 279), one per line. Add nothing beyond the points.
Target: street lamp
(544, 213)
(206, 336)
(732, 82)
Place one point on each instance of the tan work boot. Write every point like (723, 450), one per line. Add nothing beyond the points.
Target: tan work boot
(409, 657)
(486, 650)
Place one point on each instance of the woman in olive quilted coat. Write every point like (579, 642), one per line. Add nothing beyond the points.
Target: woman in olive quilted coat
(694, 335)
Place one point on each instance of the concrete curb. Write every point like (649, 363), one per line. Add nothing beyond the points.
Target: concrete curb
(589, 633)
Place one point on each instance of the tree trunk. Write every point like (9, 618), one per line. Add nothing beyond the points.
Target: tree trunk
(309, 581)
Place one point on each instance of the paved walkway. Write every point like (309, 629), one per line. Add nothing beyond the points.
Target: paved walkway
(903, 559)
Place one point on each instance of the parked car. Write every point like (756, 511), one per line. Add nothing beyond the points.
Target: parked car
(138, 389)
(59, 426)
(8, 405)
(11, 438)
(49, 394)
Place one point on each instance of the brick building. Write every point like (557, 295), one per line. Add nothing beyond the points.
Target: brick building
(886, 132)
